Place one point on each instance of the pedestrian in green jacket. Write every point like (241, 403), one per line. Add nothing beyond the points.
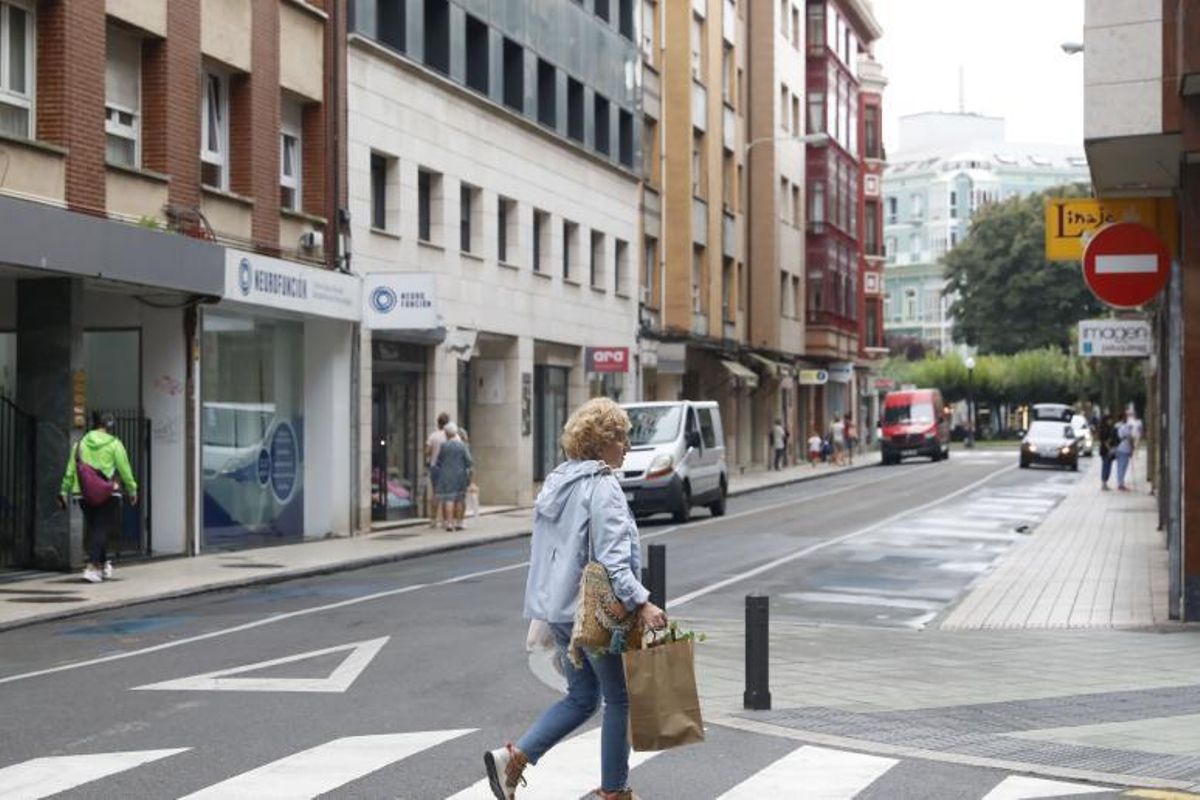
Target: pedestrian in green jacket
(105, 453)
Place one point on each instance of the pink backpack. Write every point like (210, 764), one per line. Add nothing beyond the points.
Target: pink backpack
(94, 488)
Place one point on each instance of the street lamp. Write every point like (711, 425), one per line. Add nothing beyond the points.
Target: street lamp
(970, 364)
(820, 137)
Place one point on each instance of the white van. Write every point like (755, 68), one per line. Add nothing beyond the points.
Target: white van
(676, 459)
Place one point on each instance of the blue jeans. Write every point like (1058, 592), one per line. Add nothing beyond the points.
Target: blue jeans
(1106, 462)
(600, 676)
(1122, 465)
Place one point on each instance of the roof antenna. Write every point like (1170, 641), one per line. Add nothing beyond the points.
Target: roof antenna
(962, 91)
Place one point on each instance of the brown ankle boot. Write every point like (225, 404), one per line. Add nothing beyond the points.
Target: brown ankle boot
(505, 767)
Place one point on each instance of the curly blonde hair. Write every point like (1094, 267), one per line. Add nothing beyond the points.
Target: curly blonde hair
(594, 424)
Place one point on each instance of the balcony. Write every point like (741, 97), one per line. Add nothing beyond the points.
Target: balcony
(729, 129)
(700, 324)
(728, 235)
(699, 106)
(699, 222)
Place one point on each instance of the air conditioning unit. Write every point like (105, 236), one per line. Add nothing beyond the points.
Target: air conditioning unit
(313, 240)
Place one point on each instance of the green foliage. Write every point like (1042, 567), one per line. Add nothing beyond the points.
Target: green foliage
(1009, 298)
(153, 223)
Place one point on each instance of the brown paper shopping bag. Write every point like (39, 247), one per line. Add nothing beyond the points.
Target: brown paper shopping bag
(664, 707)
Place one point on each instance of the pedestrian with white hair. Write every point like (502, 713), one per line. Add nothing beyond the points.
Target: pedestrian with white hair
(454, 468)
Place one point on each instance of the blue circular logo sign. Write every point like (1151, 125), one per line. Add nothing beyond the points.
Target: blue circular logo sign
(284, 462)
(264, 467)
(245, 276)
(383, 299)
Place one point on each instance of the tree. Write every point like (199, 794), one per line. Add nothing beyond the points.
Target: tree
(1008, 298)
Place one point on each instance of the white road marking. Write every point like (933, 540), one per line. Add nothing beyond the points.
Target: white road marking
(1023, 787)
(323, 768)
(342, 677)
(569, 770)
(43, 777)
(807, 551)
(817, 773)
(864, 600)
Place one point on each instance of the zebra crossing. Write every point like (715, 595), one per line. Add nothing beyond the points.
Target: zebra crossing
(568, 771)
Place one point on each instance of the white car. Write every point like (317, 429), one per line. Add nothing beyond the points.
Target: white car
(1083, 431)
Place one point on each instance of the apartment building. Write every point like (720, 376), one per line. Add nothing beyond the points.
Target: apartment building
(494, 157)
(872, 349)
(167, 178)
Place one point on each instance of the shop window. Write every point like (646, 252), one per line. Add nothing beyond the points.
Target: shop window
(620, 266)
(214, 145)
(574, 109)
(429, 206)
(437, 35)
(625, 138)
(290, 154)
(514, 76)
(478, 66)
(540, 241)
(252, 431)
(603, 124)
(596, 261)
(547, 94)
(16, 70)
(570, 247)
(470, 210)
(122, 97)
(506, 230)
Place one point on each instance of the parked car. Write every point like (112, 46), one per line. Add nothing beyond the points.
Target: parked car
(1083, 432)
(1050, 442)
(915, 423)
(676, 459)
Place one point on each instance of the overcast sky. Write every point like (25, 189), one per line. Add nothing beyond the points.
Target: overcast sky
(1009, 51)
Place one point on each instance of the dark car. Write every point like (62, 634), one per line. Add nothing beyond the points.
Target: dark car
(1050, 442)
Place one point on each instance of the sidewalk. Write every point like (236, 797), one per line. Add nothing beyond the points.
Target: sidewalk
(45, 596)
(1060, 662)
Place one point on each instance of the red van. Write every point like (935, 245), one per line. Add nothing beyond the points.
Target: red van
(915, 423)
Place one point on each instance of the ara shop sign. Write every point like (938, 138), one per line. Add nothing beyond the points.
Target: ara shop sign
(608, 359)
(1115, 338)
(400, 301)
(264, 281)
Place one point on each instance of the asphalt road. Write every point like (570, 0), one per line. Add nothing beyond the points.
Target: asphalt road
(426, 666)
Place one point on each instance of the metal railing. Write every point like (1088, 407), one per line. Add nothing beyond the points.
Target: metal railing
(134, 535)
(18, 441)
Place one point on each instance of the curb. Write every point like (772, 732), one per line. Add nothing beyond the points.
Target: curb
(294, 573)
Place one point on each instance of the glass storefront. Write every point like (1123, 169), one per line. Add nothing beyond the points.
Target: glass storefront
(252, 431)
(550, 415)
(397, 434)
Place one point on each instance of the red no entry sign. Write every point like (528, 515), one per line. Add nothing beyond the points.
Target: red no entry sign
(1126, 265)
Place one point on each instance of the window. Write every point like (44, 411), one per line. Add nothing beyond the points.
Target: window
(891, 211)
(392, 23)
(596, 262)
(384, 212)
(784, 94)
(796, 115)
(541, 238)
(514, 75)
(915, 205)
(890, 248)
(697, 280)
(795, 27)
(437, 35)
(743, 282)
(726, 290)
(699, 175)
(625, 20)
(871, 131)
(602, 9)
(603, 124)
(797, 296)
(816, 202)
(290, 154)
(697, 48)
(953, 239)
(649, 15)
(574, 109)
(470, 208)
(871, 232)
(478, 67)
(910, 304)
(429, 206)
(650, 166)
(625, 138)
(727, 76)
(953, 204)
(16, 70)
(816, 24)
(570, 243)
(797, 208)
(649, 267)
(214, 145)
(914, 247)
(506, 228)
(122, 97)
(620, 266)
(783, 198)
(785, 297)
(547, 88)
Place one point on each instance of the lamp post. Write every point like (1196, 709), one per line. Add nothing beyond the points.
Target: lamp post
(820, 137)
(970, 364)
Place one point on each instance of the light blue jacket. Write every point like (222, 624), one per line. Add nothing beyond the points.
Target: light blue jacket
(578, 496)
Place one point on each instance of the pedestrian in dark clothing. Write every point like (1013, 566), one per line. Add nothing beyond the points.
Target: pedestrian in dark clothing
(104, 457)
(454, 467)
(1108, 449)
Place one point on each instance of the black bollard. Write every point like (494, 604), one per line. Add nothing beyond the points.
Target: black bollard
(758, 695)
(656, 575)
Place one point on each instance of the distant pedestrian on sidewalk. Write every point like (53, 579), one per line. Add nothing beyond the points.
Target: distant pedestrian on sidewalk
(97, 470)
(814, 448)
(779, 444)
(837, 435)
(1124, 453)
(454, 466)
(1107, 433)
(581, 514)
(851, 438)
(433, 445)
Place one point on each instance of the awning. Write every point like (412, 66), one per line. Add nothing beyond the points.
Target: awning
(772, 368)
(746, 377)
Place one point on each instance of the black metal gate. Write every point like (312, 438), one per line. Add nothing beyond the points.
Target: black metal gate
(134, 536)
(18, 437)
